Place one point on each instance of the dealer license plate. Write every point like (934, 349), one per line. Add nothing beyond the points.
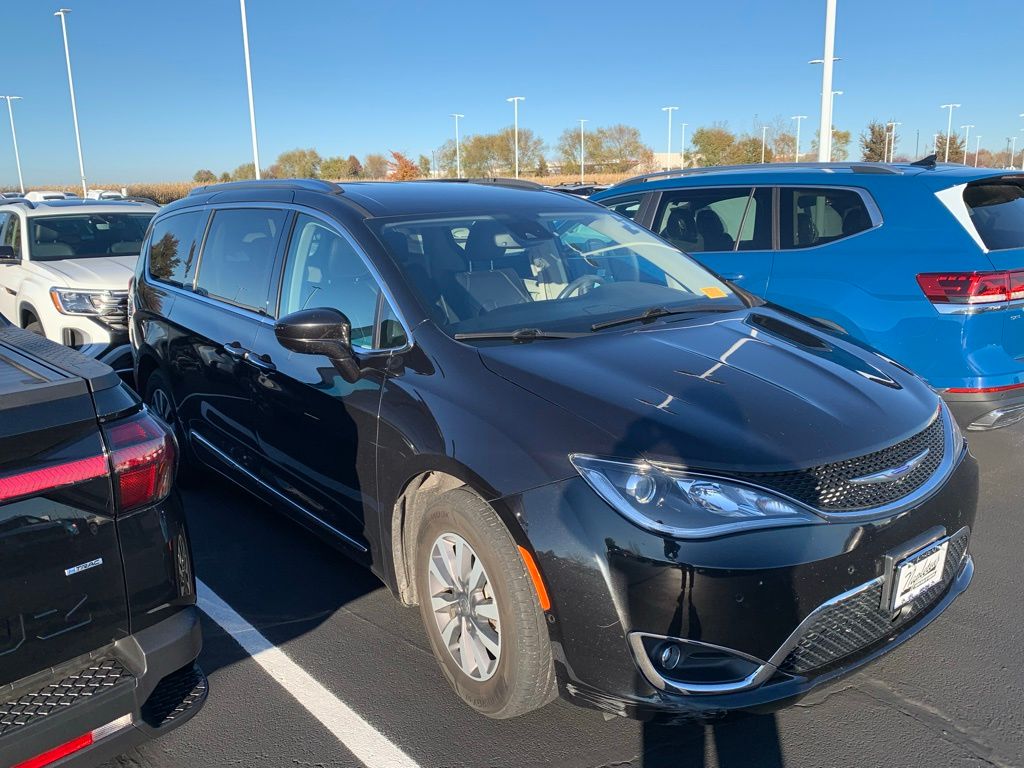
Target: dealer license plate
(917, 573)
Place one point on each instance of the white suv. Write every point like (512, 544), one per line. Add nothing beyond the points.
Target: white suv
(65, 267)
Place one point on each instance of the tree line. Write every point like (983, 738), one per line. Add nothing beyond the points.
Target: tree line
(610, 149)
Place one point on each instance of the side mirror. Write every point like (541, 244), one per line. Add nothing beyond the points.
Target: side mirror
(324, 332)
(8, 255)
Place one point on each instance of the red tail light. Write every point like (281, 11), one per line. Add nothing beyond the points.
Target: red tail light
(49, 478)
(142, 457)
(51, 756)
(972, 287)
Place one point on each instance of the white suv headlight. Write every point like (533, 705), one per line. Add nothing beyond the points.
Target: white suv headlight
(686, 505)
(72, 302)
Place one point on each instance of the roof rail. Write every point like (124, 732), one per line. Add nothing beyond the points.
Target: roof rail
(309, 185)
(861, 167)
(496, 181)
(16, 201)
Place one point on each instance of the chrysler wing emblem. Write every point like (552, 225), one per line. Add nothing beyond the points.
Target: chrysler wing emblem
(893, 473)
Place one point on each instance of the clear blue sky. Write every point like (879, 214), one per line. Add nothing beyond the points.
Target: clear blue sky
(161, 86)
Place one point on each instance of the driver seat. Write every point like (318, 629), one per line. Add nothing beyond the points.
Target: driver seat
(490, 281)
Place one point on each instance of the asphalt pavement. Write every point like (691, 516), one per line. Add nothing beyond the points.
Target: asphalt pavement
(953, 696)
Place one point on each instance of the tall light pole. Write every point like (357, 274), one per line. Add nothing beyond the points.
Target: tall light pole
(1013, 152)
(764, 141)
(668, 150)
(682, 145)
(248, 83)
(949, 128)
(892, 140)
(74, 105)
(14, 135)
(458, 151)
(582, 155)
(977, 148)
(799, 119)
(1022, 155)
(831, 112)
(967, 136)
(515, 126)
(828, 59)
(935, 143)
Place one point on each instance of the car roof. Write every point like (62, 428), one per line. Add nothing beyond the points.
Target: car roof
(394, 198)
(76, 205)
(850, 174)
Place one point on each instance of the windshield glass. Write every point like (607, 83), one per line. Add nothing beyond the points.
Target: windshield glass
(86, 235)
(553, 272)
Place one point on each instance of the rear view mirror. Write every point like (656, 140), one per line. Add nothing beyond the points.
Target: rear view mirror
(8, 255)
(324, 332)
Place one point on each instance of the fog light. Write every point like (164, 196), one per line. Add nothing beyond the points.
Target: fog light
(669, 656)
(643, 488)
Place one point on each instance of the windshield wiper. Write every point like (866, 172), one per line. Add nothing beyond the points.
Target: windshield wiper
(653, 313)
(522, 335)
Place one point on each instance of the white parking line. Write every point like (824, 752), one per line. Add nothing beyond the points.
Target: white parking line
(358, 736)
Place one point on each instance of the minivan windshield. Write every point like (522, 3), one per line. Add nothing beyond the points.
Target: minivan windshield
(561, 272)
(86, 235)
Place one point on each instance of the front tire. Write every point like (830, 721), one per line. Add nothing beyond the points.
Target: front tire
(480, 609)
(35, 327)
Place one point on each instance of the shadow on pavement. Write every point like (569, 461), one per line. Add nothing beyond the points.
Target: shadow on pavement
(752, 741)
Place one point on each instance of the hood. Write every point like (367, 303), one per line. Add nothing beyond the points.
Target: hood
(109, 272)
(750, 391)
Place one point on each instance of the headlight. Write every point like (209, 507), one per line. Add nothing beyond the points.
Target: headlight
(70, 302)
(683, 504)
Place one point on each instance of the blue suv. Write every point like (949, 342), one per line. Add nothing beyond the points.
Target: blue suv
(924, 261)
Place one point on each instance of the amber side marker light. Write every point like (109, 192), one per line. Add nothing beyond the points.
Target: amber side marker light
(538, 583)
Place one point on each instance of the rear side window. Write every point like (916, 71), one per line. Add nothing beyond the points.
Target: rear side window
(997, 211)
(810, 217)
(238, 257)
(697, 220)
(628, 206)
(174, 247)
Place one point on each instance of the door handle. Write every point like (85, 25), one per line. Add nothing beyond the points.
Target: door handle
(257, 361)
(235, 350)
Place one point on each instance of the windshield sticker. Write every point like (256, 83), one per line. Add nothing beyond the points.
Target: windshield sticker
(714, 293)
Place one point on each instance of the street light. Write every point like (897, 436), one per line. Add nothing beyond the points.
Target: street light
(458, 151)
(74, 106)
(799, 119)
(890, 140)
(1013, 151)
(248, 83)
(977, 148)
(668, 150)
(582, 157)
(1022, 155)
(682, 146)
(764, 139)
(828, 59)
(515, 126)
(831, 112)
(949, 128)
(14, 135)
(967, 137)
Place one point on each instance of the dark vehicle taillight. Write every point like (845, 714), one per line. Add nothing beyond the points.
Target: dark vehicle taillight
(142, 454)
(972, 287)
(34, 482)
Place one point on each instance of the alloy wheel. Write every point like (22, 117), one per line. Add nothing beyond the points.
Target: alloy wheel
(464, 607)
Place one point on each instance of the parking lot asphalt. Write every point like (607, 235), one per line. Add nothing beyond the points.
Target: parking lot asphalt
(953, 696)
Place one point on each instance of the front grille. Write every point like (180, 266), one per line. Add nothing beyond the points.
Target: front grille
(98, 677)
(113, 310)
(828, 487)
(852, 624)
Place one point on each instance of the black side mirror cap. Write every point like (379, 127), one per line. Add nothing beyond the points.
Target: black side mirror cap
(8, 255)
(321, 331)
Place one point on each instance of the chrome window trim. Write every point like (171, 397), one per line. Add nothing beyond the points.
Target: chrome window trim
(977, 309)
(193, 435)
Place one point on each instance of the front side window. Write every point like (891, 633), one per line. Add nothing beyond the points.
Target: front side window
(812, 217)
(174, 247)
(86, 235)
(238, 257)
(12, 234)
(997, 210)
(323, 269)
(550, 271)
(698, 220)
(628, 205)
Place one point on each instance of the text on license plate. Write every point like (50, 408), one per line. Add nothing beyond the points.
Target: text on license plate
(918, 573)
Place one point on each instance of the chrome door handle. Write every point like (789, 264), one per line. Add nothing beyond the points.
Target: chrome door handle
(235, 350)
(257, 361)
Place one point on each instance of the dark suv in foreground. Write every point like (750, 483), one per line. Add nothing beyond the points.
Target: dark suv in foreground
(594, 466)
(98, 627)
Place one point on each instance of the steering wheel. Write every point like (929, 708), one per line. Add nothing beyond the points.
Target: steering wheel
(577, 285)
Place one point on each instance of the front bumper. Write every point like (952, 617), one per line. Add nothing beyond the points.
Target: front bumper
(750, 593)
(150, 675)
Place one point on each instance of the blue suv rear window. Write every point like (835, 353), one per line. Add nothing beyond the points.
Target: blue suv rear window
(997, 210)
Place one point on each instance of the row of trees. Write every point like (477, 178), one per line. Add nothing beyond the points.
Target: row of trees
(611, 149)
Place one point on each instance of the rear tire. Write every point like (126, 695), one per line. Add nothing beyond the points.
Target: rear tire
(158, 398)
(501, 668)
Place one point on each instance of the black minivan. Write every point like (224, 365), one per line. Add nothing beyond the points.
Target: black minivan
(596, 467)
